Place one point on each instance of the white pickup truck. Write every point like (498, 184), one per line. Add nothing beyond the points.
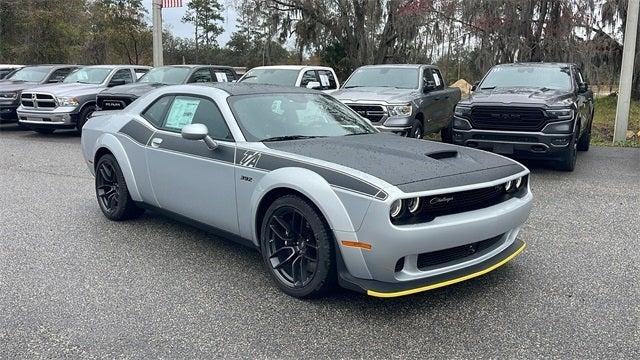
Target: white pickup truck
(310, 77)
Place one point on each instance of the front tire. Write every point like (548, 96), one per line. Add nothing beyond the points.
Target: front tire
(111, 191)
(570, 156)
(585, 139)
(83, 117)
(297, 248)
(416, 131)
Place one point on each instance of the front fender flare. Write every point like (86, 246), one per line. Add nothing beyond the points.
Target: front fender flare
(111, 143)
(311, 185)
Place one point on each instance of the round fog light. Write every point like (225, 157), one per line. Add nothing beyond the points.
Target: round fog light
(396, 208)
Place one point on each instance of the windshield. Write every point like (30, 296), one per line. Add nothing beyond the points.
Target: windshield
(397, 77)
(528, 76)
(88, 76)
(166, 75)
(270, 116)
(32, 73)
(286, 77)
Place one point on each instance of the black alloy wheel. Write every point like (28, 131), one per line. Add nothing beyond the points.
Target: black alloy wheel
(297, 249)
(111, 191)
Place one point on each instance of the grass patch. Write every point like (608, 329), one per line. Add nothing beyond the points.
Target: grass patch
(604, 120)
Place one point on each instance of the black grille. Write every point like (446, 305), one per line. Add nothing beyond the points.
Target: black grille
(37, 100)
(112, 102)
(507, 118)
(434, 258)
(373, 113)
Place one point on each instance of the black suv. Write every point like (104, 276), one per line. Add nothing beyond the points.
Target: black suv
(528, 110)
(119, 97)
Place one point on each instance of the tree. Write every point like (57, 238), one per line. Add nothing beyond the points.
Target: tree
(205, 15)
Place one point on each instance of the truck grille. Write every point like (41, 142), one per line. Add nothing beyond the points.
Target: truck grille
(373, 113)
(434, 258)
(113, 102)
(507, 118)
(38, 101)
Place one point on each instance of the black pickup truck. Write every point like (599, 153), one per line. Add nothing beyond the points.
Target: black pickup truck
(528, 110)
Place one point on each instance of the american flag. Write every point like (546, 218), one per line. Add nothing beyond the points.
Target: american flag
(171, 3)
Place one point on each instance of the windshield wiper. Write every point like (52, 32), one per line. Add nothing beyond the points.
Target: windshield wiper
(351, 86)
(289, 137)
(487, 87)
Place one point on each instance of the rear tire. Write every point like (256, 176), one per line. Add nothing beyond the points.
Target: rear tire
(585, 139)
(297, 248)
(112, 192)
(447, 133)
(44, 131)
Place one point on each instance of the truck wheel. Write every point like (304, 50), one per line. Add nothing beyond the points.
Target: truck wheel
(447, 133)
(568, 161)
(297, 248)
(83, 117)
(585, 139)
(112, 193)
(416, 131)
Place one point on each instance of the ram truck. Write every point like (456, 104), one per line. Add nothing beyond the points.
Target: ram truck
(71, 103)
(530, 111)
(311, 77)
(410, 99)
(26, 78)
(119, 97)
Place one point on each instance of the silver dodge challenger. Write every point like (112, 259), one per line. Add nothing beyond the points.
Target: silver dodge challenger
(324, 197)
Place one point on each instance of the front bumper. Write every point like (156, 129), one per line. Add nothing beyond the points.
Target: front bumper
(389, 290)
(524, 145)
(393, 265)
(8, 113)
(402, 130)
(59, 118)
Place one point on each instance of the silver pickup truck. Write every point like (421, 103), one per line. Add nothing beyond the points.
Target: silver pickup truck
(69, 104)
(407, 99)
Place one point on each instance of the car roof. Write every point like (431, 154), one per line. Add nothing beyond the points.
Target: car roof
(10, 66)
(545, 64)
(116, 66)
(407, 66)
(292, 67)
(248, 89)
(190, 66)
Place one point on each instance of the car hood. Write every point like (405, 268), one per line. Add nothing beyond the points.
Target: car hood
(410, 164)
(11, 85)
(383, 94)
(71, 89)
(132, 90)
(542, 96)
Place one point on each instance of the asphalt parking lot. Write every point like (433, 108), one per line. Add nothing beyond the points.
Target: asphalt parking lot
(73, 284)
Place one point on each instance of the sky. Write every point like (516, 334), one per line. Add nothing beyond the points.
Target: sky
(171, 18)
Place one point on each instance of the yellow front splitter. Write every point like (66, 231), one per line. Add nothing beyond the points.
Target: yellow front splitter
(511, 252)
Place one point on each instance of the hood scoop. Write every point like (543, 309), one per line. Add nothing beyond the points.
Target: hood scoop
(441, 155)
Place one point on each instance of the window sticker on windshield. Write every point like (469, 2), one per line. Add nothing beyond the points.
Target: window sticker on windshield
(324, 80)
(182, 113)
(276, 107)
(436, 78)
(221, 77)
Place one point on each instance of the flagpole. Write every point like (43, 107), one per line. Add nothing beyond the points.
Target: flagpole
(157, 32)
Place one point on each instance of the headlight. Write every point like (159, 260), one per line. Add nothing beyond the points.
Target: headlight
(396, 209)
(68, 101)
(413, 205)
(8, 95)
(462, 110)
(399, 110)
(560, 113)
(508, 186)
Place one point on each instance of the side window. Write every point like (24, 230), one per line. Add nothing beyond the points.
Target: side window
(123, 74)
(139, 72)
(221, 75)
(308, 77)
(327, 80)
(187, 110)
(201, 75)
(59, 75)
(156, 112)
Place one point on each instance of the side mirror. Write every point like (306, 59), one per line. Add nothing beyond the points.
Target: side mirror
(583, 87)
(429, 85)
(474, 87)
(198, 132)
(117, 82)
(314, 85)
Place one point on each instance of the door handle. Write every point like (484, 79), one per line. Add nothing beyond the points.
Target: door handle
(155, 142)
